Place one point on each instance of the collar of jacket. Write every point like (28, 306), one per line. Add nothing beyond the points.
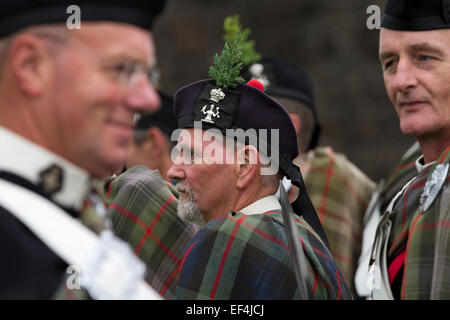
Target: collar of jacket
(262, 205)
(69, 184)
(421, 165)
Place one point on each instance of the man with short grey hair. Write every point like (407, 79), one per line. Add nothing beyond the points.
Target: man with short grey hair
(244, 248)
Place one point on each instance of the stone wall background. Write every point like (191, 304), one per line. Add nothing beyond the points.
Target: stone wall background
(328, 39)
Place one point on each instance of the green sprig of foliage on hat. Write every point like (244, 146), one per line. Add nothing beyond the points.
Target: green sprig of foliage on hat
(231, 27)
(227, 67)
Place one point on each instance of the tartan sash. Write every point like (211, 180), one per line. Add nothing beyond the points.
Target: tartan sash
(425, 237)
(247, 257)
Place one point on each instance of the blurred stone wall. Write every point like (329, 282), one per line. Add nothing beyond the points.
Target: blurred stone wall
(328, 39)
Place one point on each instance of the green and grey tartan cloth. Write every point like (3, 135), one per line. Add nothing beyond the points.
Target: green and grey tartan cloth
(143, 210)
(420, 233)
(246, 257)
(340, 193)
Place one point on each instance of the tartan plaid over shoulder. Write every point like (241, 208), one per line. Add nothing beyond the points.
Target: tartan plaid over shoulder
(403, 172)
(340, 192)
(143, 210)
(425, 237)
(247, 257)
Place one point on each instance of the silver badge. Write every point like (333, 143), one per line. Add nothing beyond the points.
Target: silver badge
(212, 111)
(51, 179)
(433, 186)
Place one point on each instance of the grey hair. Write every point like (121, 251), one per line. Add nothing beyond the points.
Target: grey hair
(272, 180)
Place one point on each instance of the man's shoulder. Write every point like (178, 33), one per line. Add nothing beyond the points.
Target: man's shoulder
(20, 249)
(265, 229)
(242, 229)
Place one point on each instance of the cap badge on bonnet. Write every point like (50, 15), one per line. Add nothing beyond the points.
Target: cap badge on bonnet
(212, 110)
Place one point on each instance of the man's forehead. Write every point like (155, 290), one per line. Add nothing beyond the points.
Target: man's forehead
(118, 39)
(199, 137)
(393, 40)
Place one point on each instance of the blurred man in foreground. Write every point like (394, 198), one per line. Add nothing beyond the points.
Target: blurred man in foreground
(67, 101)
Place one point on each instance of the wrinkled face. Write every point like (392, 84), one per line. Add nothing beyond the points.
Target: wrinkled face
(416, 71)
(93, 101)
(206, 186)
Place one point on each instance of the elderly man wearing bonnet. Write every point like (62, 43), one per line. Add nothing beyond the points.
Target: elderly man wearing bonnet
(235, 145)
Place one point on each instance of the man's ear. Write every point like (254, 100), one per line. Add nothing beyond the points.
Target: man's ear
(158, 141)
(247, 166)
(29, 60)
(296, 121)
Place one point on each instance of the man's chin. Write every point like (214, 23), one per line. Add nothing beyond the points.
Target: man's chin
(189, 213)
(416, 129)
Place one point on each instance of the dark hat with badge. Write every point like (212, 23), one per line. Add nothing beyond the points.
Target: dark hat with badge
(18, 14)
(416, 15)
(284, 79)
(226, 104)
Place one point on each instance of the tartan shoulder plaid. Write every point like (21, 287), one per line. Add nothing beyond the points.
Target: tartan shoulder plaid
(247, 257)
(340, 192)
(425, 237)
(143, 210)
(403, 172)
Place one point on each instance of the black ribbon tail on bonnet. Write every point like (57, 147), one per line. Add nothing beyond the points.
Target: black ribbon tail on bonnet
(303, 205)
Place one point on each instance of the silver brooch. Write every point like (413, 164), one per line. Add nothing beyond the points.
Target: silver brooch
(51, 179)
(433, 186)
(211, 110)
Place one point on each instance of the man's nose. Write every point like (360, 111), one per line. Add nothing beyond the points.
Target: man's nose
(142, 97)
(175, 172)
(405, 77)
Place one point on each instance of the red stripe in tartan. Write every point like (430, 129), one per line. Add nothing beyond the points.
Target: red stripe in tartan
(169, 281)
(403, 166)
(301, 223)
(224, 257)
(434, 225)
(323, 254)
(342, 258)
(444, 155)
(405, 200)
(185, 257)
(337, 216)
(400, 237)
(141, 224)
(109, 189)
(128, 214)
(339, 285)
(344, 181)
(345, 220)
(316, 280)
(319, 281)
(154, 222)
(327, 185)
(263, 234)
(407, 254)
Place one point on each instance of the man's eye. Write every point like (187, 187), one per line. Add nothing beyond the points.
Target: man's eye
(388, 64)
(424, 58)
(124, 70)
